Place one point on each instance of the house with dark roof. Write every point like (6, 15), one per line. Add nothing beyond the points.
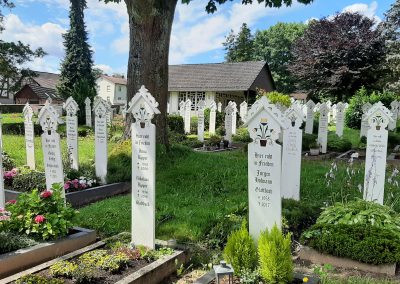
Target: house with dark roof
(36, 90)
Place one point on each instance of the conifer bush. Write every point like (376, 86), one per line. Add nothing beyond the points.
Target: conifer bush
(275, 258)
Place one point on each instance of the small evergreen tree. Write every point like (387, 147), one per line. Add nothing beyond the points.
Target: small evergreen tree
(78, 63)
(239, 47)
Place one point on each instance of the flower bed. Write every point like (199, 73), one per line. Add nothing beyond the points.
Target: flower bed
(115, 262)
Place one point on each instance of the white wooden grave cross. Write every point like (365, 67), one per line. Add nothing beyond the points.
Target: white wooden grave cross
(29, 136)
(143, 106)
(291, 157)
(394, 107)
(234, 116)
(2, 192)
(53, 166)
(339, 117)
(323, 127)
(188, 114)
(243, 111)
(378, 118)
(264, 167)
(71, 107)
(110, 112)
(364, 122)
(219, 107)
(229, 113)
(213, 117)
(310, 117)
(100, 109)
(88, 112)
(182, 108)
(200, 120)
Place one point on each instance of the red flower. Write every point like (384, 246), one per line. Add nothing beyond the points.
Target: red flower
(39, 219)
(46, 194)
(13, 201)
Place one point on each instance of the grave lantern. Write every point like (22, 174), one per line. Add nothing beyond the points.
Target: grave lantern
(223, 271)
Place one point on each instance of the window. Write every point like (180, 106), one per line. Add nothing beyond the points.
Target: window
(225, 98)
(120, 88)
(119, 99)
(195, 97)
(108, 88)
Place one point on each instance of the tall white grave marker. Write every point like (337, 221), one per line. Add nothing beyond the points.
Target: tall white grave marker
(188, 114)
(310, 117)
(143, 106)
(394, 107)
(219, 107)
(264, 167)
(243, 111)
(375, 161)
(291, 157)
(53, 167)
(364, 121)
(29, 136)
(71, 107)
(200, 120)
(213, 117)
(229, 113)
(100, 109)
(182, 108)
(110, 113)
(339, 117)
(88, 112)
(323, 127)
(234, 116)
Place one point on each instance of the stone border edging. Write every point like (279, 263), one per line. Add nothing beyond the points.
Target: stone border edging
(16, 261)
(307, 253)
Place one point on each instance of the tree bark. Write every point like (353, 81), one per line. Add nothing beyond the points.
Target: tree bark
(150, 24)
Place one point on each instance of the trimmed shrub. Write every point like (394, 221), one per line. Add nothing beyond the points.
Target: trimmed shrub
(337, 144)
(12, 241)
(193, 124)
(8, 162)
(276, 98)
(38, 279)
(275, 258)
(241, 251)
(119, 163)
(176, 124)
(27, 180)
(214, 140)
(308, 139)
(242, 135)
(368, 244)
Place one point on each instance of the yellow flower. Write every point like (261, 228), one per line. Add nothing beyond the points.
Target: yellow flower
(305, 279)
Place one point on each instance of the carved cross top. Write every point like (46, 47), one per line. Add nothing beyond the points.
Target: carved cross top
(294, 116)
(143, 106)
(71, 106)
(100, 107)
(379, 116)
(213, 106)
(48, 118)
(28, 112)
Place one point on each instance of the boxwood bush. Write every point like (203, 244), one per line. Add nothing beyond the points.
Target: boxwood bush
(27, 180)
(11, 241)
(175, 124)
(338, 144)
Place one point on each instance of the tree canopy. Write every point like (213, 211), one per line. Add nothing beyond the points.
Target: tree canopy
(239, 47)
(336, 56)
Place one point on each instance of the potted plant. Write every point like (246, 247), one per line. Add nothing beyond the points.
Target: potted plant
(314, 148)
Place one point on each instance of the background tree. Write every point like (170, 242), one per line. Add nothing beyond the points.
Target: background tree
(150, 23)
(391, 33)
(77, 66)
(13, 59)
(335, 57)
(274, 45)
(239, 47)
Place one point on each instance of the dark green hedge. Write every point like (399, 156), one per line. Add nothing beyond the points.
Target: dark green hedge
(363, 243)
(175, 124)
(337, 144)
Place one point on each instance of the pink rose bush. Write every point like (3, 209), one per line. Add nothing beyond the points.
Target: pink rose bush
(78, 184)
(9, 176)
(46, 194)
(39, 219)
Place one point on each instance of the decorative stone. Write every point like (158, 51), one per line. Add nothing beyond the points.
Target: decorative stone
(71, 107)
(213, 117)
(188, 114)
(291, 157)
(143, 106)
(378, 118)
(100, 109)
(310, 117)
(339, 117)
(48, 120)
(264, 167)
(364, 122)
(88, 112)
(323, 127)
(29, 136)
(229, 113)
(243, 111)
(200, 120)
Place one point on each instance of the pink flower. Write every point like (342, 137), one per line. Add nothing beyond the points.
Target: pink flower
(13, 201)
(46, 194)
(39, 219)
(66, 185)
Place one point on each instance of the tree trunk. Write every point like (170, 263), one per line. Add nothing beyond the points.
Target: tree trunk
(150, 24)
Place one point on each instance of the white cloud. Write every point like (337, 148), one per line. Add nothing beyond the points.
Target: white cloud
(364, 9)
(48, 35)
(105, 68)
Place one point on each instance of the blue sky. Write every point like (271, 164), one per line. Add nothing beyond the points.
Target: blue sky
(196, 37)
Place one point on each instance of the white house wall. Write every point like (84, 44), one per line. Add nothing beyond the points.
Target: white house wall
(173, 102)
(102, 90)
(120, 95)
